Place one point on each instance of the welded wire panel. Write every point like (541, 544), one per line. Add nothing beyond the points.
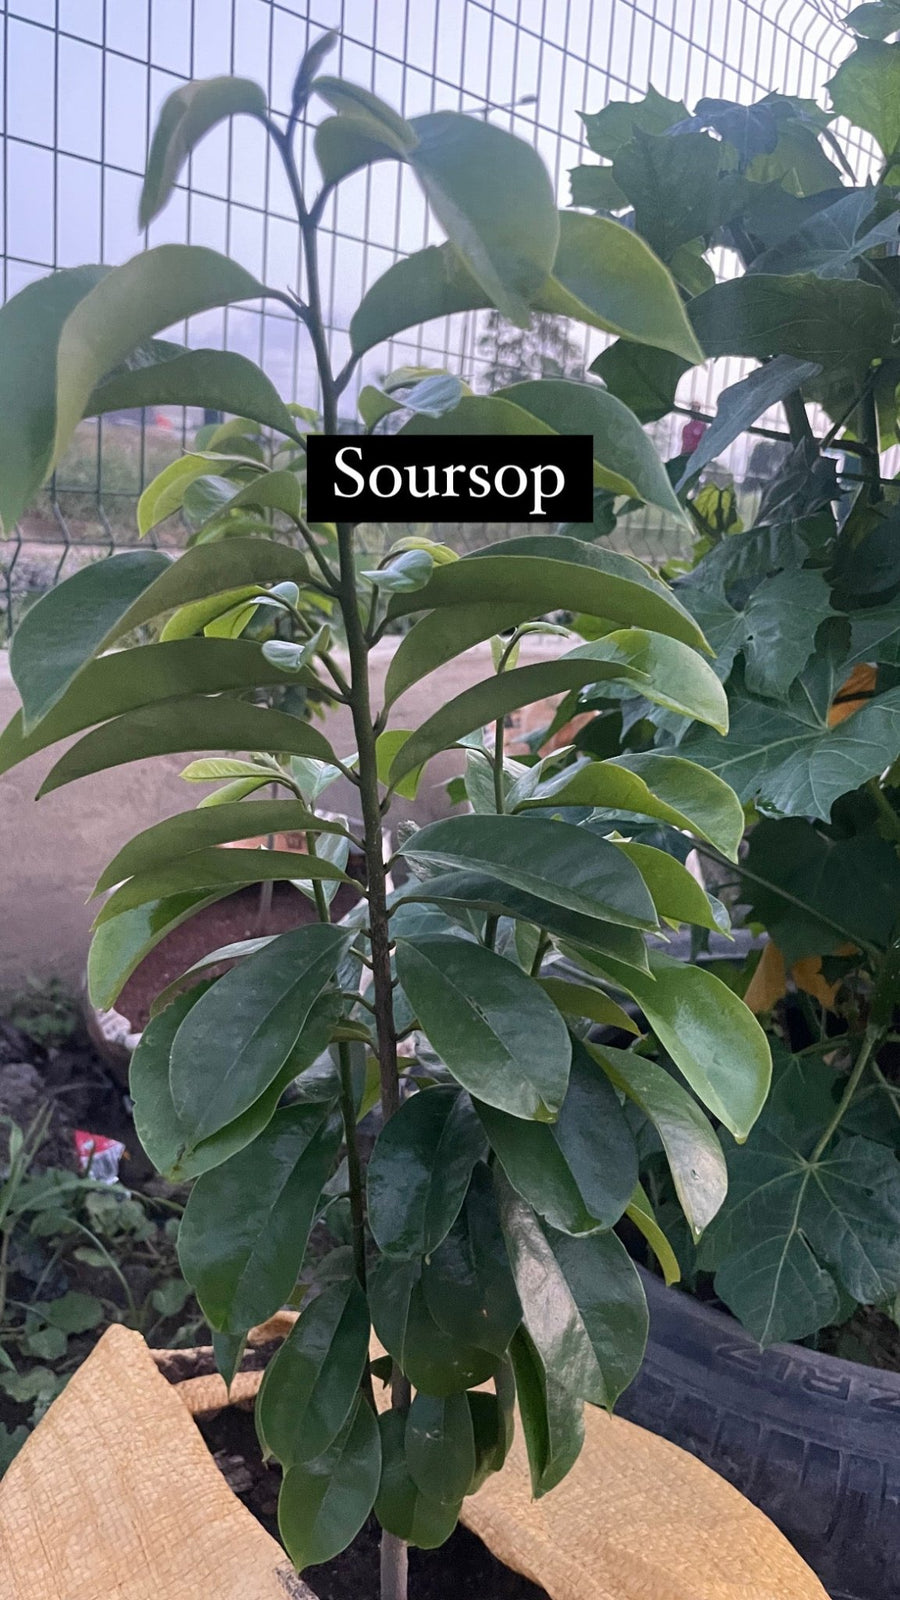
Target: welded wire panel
(82, 83)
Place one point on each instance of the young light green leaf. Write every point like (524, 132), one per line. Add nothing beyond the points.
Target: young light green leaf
(190, 112)
(692, 1149)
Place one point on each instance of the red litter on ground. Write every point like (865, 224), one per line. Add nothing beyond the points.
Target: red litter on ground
(98, 1156)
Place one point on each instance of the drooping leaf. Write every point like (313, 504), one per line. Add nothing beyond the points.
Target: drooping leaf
(190, 112)
(468, 1287)
(167, 1139)
(131, 304)
(419, 1171)
(579, 1172)
(641, 1213)
(663, 786)
(323, 1503)
(711, 1036)
(497, 1032)
(582, 1000)
(244, 1230)
(30, 326)
(552, 860)
(344, 144)
(740, 405)
(118, 947)
(440, 1447)
(628, 461)
(582, 1303)
(218, 380)
(677, 895)
(552, 1418)
(692, 1149)
(676, 677)
(402, 1508)
(310, 1387)
(214, 869)
(492, 195)
(193, 723)
(432, 1359)
(237, 1038)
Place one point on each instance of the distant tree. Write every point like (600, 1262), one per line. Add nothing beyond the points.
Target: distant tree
(545, 350)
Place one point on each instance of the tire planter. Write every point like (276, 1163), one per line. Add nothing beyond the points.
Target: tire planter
(812, 1440)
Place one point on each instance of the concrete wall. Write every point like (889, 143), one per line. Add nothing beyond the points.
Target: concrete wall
(52, 852)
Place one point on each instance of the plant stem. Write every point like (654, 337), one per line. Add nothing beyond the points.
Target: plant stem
(870, 1038)
(354, 1169)
(394, 1564)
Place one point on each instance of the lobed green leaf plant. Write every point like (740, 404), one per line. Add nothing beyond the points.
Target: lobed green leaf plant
(481, 1248)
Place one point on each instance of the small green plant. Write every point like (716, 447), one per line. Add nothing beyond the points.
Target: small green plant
(59, 1228)
(482, 1244)
(45, 1012)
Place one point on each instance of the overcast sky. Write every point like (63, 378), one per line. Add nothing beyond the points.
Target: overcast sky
(95, 101)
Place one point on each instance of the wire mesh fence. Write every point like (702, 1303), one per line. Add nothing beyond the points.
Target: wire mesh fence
(83, 81)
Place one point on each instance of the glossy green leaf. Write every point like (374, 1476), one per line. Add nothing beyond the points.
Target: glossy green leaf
(711, 1036)
(500, 1036)
(401, 1507)
(419, 1171)
(552, 860)
(30, 326)
(165, 494)
(228, 1349)
(582, 1303)
(552, 572)
(468, 1287)
(236, 1039)
(268, 491)
(492, 195)
(581, 1000)
(167, 1139)
(351, 99)
(692, 1148)
(433, 1360)
(668, 787)
(243, 1234)
(196, 830)
(580, 1171)
(627, 458)
(324, 1503)
(552, 1418)
(190, 112)
(462, 892)
(218, 380)
(310, 1387)
(440, 1447)
(196, 722)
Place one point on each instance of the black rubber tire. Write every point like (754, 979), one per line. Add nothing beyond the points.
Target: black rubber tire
(812, 1440)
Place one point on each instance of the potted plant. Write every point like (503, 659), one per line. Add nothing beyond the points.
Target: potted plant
(482, 1236)
(797, 588)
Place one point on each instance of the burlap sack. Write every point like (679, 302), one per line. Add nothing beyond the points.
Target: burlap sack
(115, 1497)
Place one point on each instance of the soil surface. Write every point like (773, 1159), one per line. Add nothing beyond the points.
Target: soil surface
(237, 917)
(462, 1569)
